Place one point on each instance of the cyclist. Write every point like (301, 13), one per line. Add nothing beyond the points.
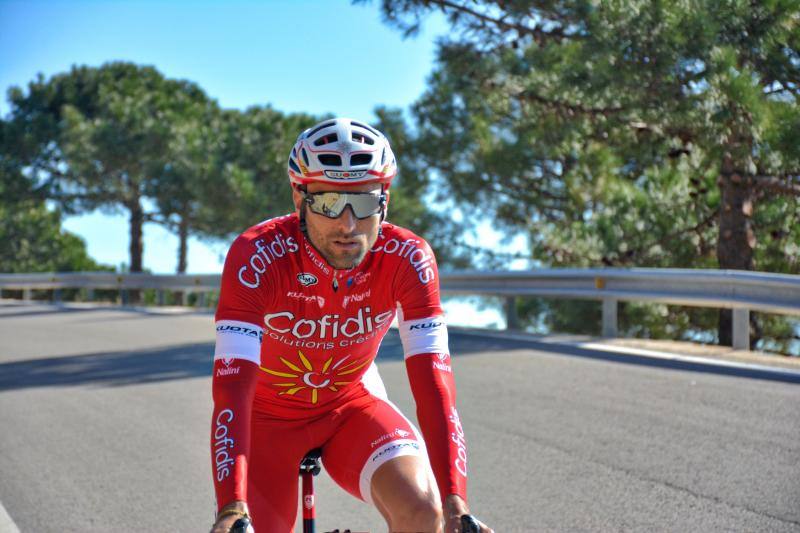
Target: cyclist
(305, 302)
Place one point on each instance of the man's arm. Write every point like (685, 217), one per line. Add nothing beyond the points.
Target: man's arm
(432, 384)
(233, 387)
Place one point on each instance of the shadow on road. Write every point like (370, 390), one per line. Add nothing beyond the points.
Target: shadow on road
(195, 360)
(110, 369)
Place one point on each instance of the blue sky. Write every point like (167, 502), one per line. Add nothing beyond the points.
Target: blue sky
(300, 55)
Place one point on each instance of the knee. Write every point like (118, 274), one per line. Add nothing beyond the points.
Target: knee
(421, 512)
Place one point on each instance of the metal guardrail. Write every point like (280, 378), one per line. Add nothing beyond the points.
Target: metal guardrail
(741, 291)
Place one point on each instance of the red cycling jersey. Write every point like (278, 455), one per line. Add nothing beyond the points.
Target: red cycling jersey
(297, 340)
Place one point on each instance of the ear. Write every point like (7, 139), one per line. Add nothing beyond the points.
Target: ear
(386, 206)
(297, 198)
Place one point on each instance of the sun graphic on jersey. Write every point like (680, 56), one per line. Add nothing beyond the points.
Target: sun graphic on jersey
(307, 378)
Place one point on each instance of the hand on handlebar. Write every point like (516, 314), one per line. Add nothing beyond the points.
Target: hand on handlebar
(459, 520)
(233, 522)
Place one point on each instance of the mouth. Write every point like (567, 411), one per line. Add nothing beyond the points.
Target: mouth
(346, 246)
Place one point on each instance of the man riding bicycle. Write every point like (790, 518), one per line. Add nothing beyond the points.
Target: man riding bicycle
(305, 302)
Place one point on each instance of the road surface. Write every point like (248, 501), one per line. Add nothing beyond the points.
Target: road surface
(104, 424)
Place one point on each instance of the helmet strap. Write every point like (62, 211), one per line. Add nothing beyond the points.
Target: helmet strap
(302, 215)
(383, 209)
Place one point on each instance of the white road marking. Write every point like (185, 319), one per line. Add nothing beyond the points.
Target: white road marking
(6, 524)
(599, 346)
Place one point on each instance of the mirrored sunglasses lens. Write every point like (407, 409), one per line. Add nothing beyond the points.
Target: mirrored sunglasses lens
(331, 204)
(365, 205)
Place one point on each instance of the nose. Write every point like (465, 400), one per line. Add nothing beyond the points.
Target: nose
(347, 220)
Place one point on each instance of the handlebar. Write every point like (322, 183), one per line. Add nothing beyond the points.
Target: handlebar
(469, 524)
(242, 525)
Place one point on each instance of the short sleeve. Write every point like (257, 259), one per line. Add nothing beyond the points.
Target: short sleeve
(245, 285)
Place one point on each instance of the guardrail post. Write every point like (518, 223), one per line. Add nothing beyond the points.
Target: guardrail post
(160, 297)
(90, 294)
(123, 297)
(741, 329)
(609, 317)
(512, 319)
(57, 296)
(201, 299)
(26, 294)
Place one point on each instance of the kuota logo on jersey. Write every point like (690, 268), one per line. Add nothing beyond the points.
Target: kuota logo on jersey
(426, 325)
(241, 330)
(308, 298)
(421, 260)
(265, 254)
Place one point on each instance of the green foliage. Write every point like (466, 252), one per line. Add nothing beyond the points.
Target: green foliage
(637, 133)
(122, 138)
(410, 187)
(31, 238)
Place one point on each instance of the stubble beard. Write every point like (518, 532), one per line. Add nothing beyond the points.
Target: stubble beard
(338, 259)
(344, 260)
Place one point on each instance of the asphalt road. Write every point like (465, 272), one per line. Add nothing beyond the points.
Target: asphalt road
(104, 418)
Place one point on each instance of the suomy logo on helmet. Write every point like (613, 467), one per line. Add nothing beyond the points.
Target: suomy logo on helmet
(340, 174)
(265, 254)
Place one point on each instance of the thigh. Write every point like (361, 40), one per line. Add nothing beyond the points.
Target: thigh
(276, 448)
(369, 435)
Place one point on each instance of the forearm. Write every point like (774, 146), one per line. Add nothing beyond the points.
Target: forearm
(233, 387)
(433, 387)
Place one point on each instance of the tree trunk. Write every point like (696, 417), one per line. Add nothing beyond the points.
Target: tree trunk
(183, 246)
(136, 244)
(136, 230)
(736, 240)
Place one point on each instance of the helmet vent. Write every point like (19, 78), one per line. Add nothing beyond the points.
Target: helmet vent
(327, 139)
(331, 160)
(293, 165)
(360, 125)
(363, 139)
(321, 126)
(305, 156)
(360, 159)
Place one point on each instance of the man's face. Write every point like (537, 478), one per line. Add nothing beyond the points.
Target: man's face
(342, 241)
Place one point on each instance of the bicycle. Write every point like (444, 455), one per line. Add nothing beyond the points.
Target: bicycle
(310, 467)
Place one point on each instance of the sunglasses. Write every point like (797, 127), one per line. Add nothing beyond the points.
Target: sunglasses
(331, 204)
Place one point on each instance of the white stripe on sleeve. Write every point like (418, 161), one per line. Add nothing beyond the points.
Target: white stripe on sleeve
(238, 340)
(425, 335)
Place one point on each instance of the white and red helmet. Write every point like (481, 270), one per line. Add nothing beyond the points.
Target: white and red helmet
(341, 151)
